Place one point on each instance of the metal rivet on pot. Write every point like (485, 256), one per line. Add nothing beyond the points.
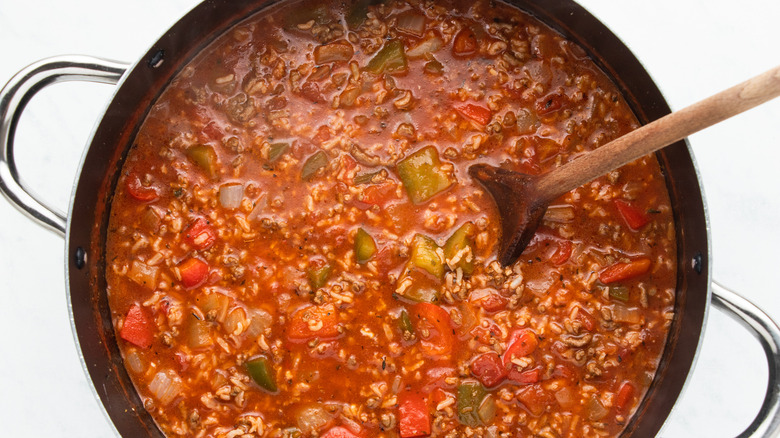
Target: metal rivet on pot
(80, 258)
(157, 59)
(697, 263)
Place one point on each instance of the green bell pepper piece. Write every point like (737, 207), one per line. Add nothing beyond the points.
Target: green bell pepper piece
(404, 322)
(425, 255)
(359, 12)
(423, 287)
(276, 151)
(619, 293)
(365, 247)
(313, 164)
(205, 157)
(433, 67)
(391, 58)
(462, 238)
(303, 15)
(422, 294)
(470, 396)
(422, 175)
(365, 178)
(259, 368)
(318, 276)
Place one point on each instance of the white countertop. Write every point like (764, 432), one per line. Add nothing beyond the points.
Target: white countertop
(692, 48)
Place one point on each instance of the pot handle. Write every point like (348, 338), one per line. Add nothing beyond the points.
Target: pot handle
(14, 98)
(767, 422)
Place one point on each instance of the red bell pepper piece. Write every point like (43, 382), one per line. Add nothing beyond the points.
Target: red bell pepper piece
(436, 378)
(488, 369)
(550, 103)
(563, 253)
(586, 319)
(321, 322)
(535, 399)
(521, 343)
(624, 271)
(465, 42)
(387, 259)
(414, 418)
(200, 234)
(525, 377)
(477, 113)
(139, 191)
(624, 395)
(488, 299)
(379, 194)
(213, 131)
(137, 328)
(439, 395)
(311, 91)
(434, 327)
(347, 162)
(634, 217)
(565, 372)
(323, 132)
(193, 272)
(485, 335)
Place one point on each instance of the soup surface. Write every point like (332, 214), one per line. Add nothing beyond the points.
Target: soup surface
(296, 249)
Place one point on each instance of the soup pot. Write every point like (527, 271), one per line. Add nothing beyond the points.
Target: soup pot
(138, 85)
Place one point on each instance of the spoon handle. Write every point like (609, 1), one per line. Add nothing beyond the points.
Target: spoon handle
(659, 133)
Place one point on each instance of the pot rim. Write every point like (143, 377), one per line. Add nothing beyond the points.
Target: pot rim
(78, 240)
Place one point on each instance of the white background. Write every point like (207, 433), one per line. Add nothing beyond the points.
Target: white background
(692, 48)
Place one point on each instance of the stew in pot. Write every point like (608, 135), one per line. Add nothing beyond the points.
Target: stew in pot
(295, 248)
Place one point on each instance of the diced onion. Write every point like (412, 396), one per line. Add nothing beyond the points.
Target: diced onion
(526, 121)
(134, 362)
(313, 419)
(333, 52)
(487, 409)
(231, 195)
(539, 71)
(596, 411)
(411, 23)
(631, 315)
(260, 204)
(349, 96)
(236, 322)
(539, 287)
(150, 219)
(218, 379)
(351, 424)
(261, 320)
(559, 214)
(197, 332)
(478, 294)
(632, 189)
(143, 274)
(565, 397)
(165, 386)
(215, 305)
(427, 46)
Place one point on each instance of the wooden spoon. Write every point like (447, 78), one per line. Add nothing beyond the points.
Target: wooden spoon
(523, 199)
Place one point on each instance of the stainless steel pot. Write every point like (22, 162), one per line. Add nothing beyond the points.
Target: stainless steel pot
(85, 226)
